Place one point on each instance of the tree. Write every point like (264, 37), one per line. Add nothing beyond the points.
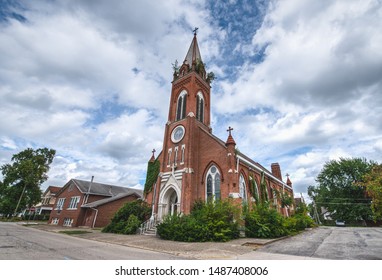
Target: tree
(340, 189)
(22, 179)
(373, 183)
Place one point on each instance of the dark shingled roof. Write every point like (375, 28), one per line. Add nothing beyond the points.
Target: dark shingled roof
(98, 188)
(95, 188)
(137, 193)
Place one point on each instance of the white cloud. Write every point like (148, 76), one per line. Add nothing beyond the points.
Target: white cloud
(92, 80)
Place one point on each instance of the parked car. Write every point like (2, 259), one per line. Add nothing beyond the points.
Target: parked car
(340, 223)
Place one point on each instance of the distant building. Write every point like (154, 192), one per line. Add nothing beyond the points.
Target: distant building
(90, 204)
(48, 199)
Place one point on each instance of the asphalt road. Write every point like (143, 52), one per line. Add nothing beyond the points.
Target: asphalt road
(25, 243)
(337, 243)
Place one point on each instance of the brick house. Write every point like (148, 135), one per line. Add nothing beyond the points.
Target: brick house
(194, 164)
(48, 199)
(90, 204)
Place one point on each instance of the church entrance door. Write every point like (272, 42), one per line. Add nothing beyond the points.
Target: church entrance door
(169, 203)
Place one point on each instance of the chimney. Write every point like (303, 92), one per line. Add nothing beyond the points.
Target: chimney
(276, 170)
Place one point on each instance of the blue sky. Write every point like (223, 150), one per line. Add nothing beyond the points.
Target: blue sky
(299, 81)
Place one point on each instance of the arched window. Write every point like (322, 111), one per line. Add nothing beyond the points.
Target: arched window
(254, 188)
(243, 189)
(213, 183)
(181, 106)
(200, 107)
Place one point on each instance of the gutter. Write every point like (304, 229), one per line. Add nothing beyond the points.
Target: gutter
(261, 170)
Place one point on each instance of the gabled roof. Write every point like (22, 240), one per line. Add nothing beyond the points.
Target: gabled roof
(52, 189)
(137, 193)
(95, 188)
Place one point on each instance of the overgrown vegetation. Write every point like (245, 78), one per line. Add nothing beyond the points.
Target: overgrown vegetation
(266, 222)
(211, 221)
(128, 219)
(152, 175)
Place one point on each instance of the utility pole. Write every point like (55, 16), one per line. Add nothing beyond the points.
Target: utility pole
(21, 196)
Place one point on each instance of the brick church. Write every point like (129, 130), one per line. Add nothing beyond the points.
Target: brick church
(194, 164)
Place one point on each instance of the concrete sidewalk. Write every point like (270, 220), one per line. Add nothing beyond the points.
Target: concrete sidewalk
(242, 249)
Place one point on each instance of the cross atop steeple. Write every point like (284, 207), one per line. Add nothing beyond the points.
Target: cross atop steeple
(152, 159)
(230, 140)
(229, 130)
(195, 30)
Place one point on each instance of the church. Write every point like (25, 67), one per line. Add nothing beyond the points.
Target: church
(196, 165)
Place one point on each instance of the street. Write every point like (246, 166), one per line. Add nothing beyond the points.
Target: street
(337, 243)
(24, 243)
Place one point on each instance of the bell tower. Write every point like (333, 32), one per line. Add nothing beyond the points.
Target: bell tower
(189, 114)
(190, 94)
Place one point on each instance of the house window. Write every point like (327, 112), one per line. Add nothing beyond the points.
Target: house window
(200, 107)
(67, 222)
(243, 189)
(181, 106)
(74, 202)
(60, 204)
(213, 183)
(55, 221)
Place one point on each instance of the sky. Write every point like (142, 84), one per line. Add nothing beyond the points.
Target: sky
(300, 81)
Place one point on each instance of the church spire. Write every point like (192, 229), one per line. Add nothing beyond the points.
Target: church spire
(193, 54)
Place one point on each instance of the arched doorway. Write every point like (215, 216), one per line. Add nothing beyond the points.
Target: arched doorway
(169, 202)
(173, 204)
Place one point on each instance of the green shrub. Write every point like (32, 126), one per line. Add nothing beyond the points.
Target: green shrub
(265, 222)
(211, 221)
(132, 225)
(128, 219)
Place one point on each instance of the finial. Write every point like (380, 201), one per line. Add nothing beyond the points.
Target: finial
(195, 30)
(153, 151)
(229, 130)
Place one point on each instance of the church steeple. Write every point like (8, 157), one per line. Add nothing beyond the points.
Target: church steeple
(193, 54)
(190, 94)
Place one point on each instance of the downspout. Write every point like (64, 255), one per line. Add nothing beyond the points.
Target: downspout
(95, 216)
(88, 192)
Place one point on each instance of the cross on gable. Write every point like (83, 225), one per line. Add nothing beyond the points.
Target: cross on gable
(153, 151)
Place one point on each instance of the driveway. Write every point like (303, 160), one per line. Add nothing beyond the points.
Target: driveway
(338, 243)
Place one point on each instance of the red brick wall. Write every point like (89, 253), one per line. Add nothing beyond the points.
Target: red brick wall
(67, 193)
(107, 211)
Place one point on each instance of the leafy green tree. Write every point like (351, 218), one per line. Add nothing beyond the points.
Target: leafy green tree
(22, 179)
(373, 183)
(340, 189)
